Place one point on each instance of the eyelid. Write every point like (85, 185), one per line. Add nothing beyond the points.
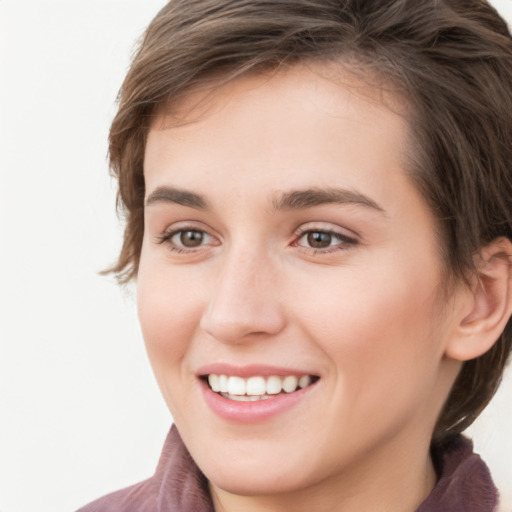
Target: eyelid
(165, 237)
(327, 227)
(345, 240)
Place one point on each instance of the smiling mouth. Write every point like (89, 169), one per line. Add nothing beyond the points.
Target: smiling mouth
(257, 388)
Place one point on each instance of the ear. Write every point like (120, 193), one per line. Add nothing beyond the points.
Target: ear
(485, 307)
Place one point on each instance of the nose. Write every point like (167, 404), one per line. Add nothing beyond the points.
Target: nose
(244, 302)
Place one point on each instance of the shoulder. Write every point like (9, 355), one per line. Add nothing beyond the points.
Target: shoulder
(140, 497)
(177, 484)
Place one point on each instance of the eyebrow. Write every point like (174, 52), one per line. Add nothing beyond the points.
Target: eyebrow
(308, 198)
(177, 196)
(293, 200)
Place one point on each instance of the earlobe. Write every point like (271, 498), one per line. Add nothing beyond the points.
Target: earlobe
(487, 305)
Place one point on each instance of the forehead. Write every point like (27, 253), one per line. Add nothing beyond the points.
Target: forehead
(298, 108)
(305, 79)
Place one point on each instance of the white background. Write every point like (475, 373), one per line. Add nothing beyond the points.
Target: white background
(81, 414)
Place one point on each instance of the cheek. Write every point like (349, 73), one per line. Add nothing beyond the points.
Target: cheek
(169, 311)
(377, 331)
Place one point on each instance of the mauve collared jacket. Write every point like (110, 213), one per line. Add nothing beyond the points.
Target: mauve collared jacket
(464, 484)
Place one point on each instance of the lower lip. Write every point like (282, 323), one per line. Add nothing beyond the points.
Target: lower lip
(252, 412)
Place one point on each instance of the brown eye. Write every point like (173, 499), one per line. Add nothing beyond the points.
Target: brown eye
(324, 241)
(190, 238)
(187, 240)
(319, 239)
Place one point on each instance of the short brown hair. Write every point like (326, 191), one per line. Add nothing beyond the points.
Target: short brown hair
(452, 59)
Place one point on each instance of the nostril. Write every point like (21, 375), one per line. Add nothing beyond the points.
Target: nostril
(241, 324)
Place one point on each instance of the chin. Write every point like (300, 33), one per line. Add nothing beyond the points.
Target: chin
(256, 481)
(257, 468)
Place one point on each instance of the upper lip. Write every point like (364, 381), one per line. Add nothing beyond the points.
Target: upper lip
(250, 370)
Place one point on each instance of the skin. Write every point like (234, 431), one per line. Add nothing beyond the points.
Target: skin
(364, 312)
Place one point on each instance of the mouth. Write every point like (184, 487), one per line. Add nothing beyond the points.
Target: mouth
(256, 388)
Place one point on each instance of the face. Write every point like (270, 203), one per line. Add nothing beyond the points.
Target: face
(288, 258)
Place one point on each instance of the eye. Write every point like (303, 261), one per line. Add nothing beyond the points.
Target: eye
(319, 240)
(189, 238)
(186, 239)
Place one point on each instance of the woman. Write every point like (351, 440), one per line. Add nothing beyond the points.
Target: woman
(318, 217)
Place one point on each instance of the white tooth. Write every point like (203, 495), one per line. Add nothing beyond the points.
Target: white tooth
(304, 381)
(213, 380)
(290, 383)
(223, 384)
(256, 386)
(245, 398)
(236, 386)
(274, 385)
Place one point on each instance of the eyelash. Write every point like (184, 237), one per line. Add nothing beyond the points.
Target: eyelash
(344, 241)
(166, 238)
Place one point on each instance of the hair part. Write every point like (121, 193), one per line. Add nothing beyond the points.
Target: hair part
(450, 59)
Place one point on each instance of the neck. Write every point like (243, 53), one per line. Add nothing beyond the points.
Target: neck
(396, 480)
